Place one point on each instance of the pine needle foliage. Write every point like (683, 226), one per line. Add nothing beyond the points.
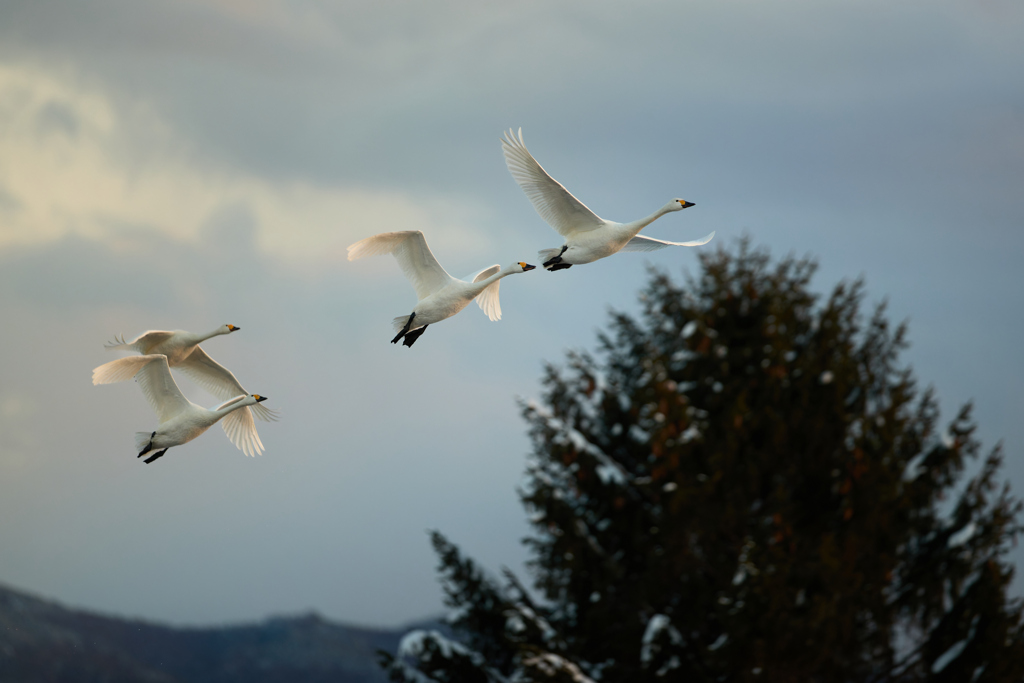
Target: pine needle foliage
(745, 484)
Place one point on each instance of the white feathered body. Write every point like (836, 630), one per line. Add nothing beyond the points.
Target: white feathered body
(591, 245)
(443, 304)
(182, 421)
(177, 345)
(184, 427)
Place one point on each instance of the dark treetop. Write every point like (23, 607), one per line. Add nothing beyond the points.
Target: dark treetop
(744, 484)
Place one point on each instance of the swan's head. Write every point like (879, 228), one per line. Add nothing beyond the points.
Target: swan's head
(679, 205)
(228, 329)
(522, 267)
(258, 399)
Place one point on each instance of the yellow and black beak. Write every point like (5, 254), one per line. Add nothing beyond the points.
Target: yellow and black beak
(259, 398)
(685, 204)
(233, 328)
(526, 266)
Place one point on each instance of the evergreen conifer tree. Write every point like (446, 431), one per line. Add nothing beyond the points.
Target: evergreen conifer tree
(743, 485)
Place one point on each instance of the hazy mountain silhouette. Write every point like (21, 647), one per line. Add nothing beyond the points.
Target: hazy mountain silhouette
(43, 642)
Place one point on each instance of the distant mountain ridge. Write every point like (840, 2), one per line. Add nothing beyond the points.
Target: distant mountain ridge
(43, 642)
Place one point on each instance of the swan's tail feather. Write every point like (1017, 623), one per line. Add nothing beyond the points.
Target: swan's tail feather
(120, 345)
(142, 440)
(400, 322)
(546, 255)
(119, 370)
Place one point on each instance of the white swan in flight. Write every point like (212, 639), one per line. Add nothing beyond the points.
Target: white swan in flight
(440, 295)
(184, 354)
(181, 420)
(588, 237)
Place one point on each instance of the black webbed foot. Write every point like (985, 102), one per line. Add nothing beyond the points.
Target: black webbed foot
(559, 266)
(154, 456)
(405, 330)
(556, 259)
(411, 338)
(149, 446)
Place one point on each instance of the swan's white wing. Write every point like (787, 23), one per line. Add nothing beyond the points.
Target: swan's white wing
(641, 243)
(413, 255)
(485, 273)
(239, 427)
(146, 340)
(218, 380)
(487, 300)
(263, 413)
(154, 378)
(119, 370)
(553, 202)
(211, 375)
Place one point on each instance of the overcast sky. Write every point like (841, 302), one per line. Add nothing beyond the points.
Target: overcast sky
(185, 164)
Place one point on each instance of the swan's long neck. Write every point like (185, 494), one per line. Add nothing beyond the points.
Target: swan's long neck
(223, 412)
(194, 338)
(214, 333)
(484, 284)
(637, 226)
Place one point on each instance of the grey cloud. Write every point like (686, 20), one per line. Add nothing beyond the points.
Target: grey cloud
(78, 272)
(57, 117)
(230, 231)
(390, 96)
(8, 202)
(143, 268)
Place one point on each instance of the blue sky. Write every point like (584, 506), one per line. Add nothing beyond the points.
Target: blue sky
(180, 165)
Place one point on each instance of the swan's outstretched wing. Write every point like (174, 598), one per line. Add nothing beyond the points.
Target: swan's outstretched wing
(641, 243)
(219, 381)
(553, 202)
(119, 370)
(240, 429)
(412, 253)
(154, 378)
(146, 340)
(487, 300)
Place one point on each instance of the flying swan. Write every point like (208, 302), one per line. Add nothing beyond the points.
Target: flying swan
(184, 354)
(588, 237)
(440, 295)
(181, 420)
